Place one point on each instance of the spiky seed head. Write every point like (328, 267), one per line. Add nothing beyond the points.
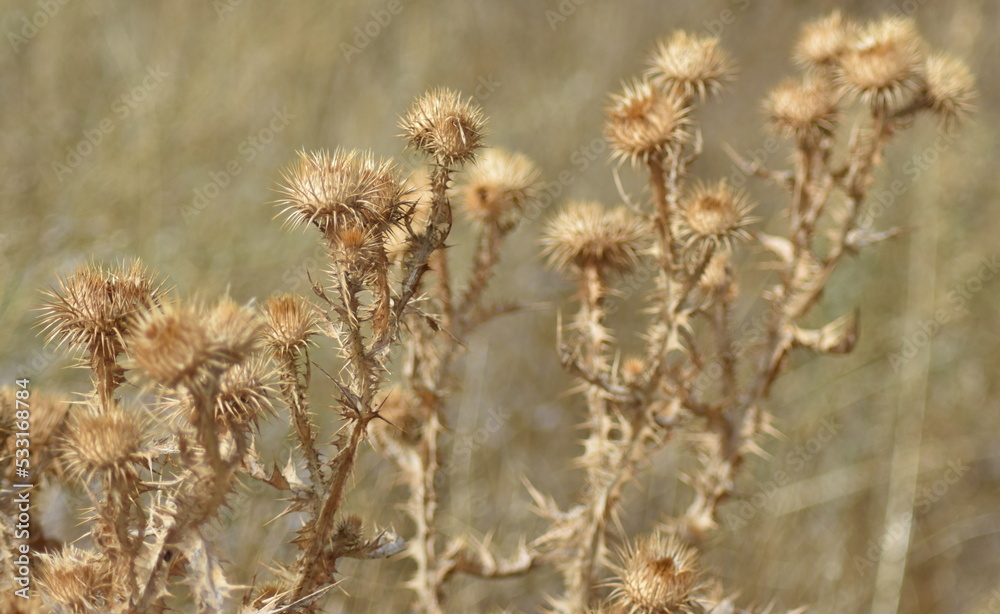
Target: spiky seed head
(498, 187)
(234, 332)
(171, 345)
(823, 42)
(806, 111)
(884, 64)
(690, 65)
(95, 307)
(358, 252)
(289, 323)
(75, 580)
(343, 189)
(585, 234)
(715, 214)
(659, 574)
(632, 369)
(950, 87)
(444, 126)
(644, 121)
(244, 394)
(349, 534)
(104, 443)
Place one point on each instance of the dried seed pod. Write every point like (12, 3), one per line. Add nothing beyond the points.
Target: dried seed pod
(950, 87)
(690, 65)
(498, 187)
(289, 323)
(715, 215)
(96, 307)
(105, 443)
(444, 126)
(644, 121)
(244, 394)
(345, 189)
(234, 332)
(823, 42)
(659, 574)
(884, 64)
(171, 346)
(806, 111)
(76, 581)
(586, 234)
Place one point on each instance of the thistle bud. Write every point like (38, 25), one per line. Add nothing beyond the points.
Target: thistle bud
(715, 215)
(690, 65)
(444, 126)
(950, 87)
(823, 42)
(498, 187)
(644, 121)
(659, 574)
(805, 111)
(883, 65)
(585, 234)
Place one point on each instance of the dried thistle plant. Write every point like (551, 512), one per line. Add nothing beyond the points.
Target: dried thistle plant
(170, 428)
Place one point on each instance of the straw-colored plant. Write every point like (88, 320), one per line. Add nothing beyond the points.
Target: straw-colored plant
(170, 428)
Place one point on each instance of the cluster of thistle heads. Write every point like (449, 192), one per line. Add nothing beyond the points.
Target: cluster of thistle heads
(213, 362)
(883, 64)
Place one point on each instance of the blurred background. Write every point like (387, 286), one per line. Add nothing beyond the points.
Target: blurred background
(159, 130)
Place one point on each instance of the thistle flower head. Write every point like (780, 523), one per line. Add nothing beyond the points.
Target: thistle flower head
(658, 575)
(95, 307)
(715, 215)
(806, 111)
(76, 581)
(171, 345)
(234, 332)
(690, 65)
(823, 42)
(244, 394)
(444, 126)
(289, 322)
(645, 121)
(104, 443)
(345, 189)
(883, 65)
(950, 87)
(585, 234)
(498, 187)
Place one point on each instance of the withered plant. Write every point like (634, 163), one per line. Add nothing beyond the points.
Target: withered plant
(171, 426)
